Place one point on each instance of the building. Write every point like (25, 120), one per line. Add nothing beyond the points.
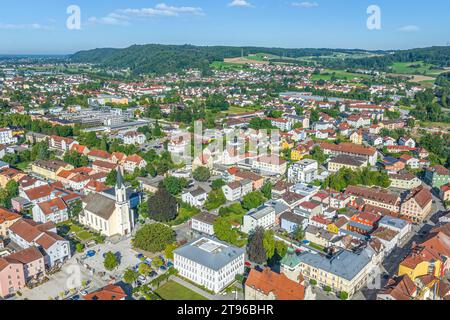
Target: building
(400, 288)
(204, 223)
(417, 205)
(401, 226)
(210, 263)
(235, 190)
(49, 169)
(134, 162)
(32, 261)
(444, 192)
(304, 171)
(12, 278)
(263, 216)
(61, 143)
(350, 149)
(133, 137)
(109, 214)
(196, 198)
(407, 181)
(345, 271)
(270, 165)
(6, 136)
(437, 176)
(256, 179)
(268, 285)
(28, 233)
(7, 219)
(109, 293)
(282, 124)
(348, 162)
(420, 262)
(54, 210)
(375, 197)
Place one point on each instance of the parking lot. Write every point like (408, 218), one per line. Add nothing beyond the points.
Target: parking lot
(123, 249)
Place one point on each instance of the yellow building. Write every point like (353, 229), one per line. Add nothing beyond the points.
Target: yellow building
(50, 169)
(344, 161)
(422, 261)
(356, 137)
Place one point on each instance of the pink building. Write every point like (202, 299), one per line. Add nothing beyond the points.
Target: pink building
(32, 261)
(12, 277)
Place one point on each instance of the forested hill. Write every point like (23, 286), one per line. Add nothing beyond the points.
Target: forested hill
(437, 56)
(160, 59)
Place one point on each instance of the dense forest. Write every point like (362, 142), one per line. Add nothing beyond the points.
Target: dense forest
(160, 59)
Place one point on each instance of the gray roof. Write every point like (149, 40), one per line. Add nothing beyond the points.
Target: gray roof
(197, 192)
(99, 205)
(261, 212)
(393, 222)
(344, 264)
(211, 253)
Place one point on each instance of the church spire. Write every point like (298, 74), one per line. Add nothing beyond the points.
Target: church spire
(119, 179)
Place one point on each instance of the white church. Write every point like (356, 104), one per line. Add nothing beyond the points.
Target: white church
(109, 214)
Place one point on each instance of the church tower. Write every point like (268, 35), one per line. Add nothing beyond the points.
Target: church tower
(123, 211)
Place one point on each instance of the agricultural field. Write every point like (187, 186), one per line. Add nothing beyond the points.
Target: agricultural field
(228, 66)
(327, 74)
(416, 68)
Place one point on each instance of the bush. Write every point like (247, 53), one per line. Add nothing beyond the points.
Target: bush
(79, 247)
(313, 282)
(343, 295)
(327, 289)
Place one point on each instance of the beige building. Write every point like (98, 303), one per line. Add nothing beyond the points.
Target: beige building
(345, 161)
(344, 272)
(50, 169)
(406, 181)
(418, 205)
(7, 219)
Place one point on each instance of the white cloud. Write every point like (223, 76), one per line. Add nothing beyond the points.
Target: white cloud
(409, 28)
(305, 4)
(124, 16)
(240, 3)
(32, 26)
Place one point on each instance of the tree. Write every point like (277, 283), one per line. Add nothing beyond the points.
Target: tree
(157, 263)
(144, 269)
(343, 295)
(253, 200)
(267, 190)
(255, 247)
(79, 247)
(111, 262)
(168, 251)
(76, 159)
(75, 209)
(111, 178)
(162, 206)
(217, 184)
(174, 185)
(202, 174)
(153, 237)
(130, 276)
(215, 199)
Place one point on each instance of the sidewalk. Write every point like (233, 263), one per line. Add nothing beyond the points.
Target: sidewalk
(200, 291)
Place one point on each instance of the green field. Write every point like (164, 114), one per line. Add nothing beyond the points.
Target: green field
(415, 68)
(227, 66)
(174, 291)
(327, 74)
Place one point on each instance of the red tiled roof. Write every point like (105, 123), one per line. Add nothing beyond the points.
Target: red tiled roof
(281, 286)
(110, 292)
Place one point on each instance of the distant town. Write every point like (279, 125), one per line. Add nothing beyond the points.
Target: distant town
(256, 177)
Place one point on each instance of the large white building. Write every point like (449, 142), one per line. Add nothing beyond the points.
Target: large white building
(304, 171)
(210, 263)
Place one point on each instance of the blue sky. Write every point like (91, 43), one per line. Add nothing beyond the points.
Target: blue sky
(39, 26)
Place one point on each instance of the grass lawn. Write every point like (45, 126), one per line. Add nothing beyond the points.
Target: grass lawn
(174, 291)
(23, 165)
(79, 232)
(227, 66)
(238, 110)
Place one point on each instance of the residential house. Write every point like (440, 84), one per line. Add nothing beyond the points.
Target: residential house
(348, 162)
(235, 190)
(268, 285)
(204, 223)
(263, 216)
(418, 205)
(304, 171)
(196, 198)
(437, 176)
(407, 181)
(7, 219)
